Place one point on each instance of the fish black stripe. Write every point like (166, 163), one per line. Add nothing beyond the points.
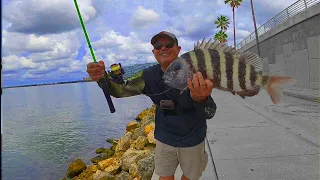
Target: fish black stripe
(187, 58)
(201, 62)
(229, 70)
(242, 74)
(253, 75)
(215, 61)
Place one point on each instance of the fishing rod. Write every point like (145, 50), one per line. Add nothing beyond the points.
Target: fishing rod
(102, 82)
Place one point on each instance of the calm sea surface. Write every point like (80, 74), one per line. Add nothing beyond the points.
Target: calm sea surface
(44, 128)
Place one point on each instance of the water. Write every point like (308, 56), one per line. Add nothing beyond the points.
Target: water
(47, 127)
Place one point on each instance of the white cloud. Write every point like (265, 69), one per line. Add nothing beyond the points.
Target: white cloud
(117, 48)
(73, 66)
(29, 75)
(15, 63)
(16, 43)
(65, 46)
(54, 69)
(277, 5)
(144, 18)
(220, 2)
(10, 76)
(46, 16)
(241, 24)
(47, 53)
(194, 21)
(242, 33)
(186, 45)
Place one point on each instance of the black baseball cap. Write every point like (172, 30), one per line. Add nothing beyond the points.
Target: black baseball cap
(164, 34)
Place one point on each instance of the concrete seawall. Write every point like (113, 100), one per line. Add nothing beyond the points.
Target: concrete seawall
(293, 48)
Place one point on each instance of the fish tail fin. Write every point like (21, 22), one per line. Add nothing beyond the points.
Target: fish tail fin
(275, 86)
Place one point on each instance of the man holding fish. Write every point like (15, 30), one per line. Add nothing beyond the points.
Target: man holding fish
(181, 88)
(180, 121)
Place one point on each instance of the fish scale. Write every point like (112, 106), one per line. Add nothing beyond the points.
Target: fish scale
(216, 67)
(229, 70)
(236, 76)
(201, 62)
(193, 60)
(209, 64)
(223, 74)
(247, 82)
(205, 61)
(244, 72)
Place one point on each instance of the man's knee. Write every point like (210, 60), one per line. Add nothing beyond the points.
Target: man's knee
(194, 169)
(166, 161)
(193, 161)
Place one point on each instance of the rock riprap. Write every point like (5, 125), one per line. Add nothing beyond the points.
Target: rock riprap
(129, 158)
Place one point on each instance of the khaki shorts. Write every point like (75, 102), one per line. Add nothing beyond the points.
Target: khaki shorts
(193, 160)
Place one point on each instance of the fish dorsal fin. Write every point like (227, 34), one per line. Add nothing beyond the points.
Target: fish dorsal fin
(208, 43)
(203, 43)
(247, 57)
(215, 45)
(253, 59)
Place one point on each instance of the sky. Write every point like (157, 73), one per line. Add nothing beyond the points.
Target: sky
(43, 41)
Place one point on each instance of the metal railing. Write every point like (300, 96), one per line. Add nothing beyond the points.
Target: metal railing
(283, 16)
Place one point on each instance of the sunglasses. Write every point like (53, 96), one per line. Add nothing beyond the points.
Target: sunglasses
(158, 46)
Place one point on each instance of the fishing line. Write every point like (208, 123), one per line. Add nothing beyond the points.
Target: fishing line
(212, 160)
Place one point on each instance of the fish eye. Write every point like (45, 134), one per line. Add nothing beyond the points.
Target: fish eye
(176, 67)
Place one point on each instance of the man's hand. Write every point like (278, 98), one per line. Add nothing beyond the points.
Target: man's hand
(200, 89)
(96, 70)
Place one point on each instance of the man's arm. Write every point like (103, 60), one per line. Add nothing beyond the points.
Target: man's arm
(133, 86)
(208, 107)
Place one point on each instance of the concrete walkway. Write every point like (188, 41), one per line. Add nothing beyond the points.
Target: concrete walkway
(248, 143)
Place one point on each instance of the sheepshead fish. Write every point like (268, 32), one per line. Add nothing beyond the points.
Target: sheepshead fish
(229, 69)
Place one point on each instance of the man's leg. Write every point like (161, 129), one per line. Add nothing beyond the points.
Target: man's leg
(166, 161)
(193, 161)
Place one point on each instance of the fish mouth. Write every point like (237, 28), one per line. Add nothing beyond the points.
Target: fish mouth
(166, 81)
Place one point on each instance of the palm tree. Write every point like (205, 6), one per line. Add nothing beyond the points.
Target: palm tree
(255, 27)
(221, 36)
(234, 4)
(222, 22)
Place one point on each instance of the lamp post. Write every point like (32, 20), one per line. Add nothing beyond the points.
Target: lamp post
(255, 27)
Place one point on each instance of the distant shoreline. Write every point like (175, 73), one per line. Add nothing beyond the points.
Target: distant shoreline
(130, 70)
(46, 84)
